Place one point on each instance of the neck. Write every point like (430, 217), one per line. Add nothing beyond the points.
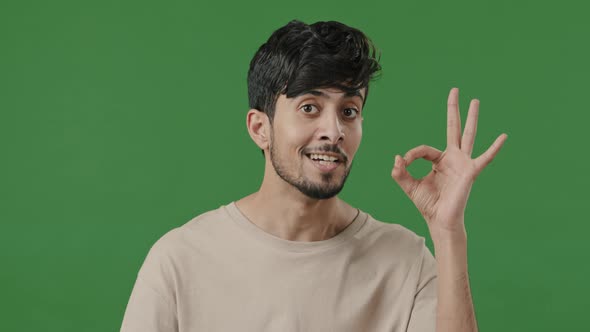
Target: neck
(285, 212)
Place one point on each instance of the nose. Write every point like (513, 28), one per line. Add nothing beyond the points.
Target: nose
(331, 128)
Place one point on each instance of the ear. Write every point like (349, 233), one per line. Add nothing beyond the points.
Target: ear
(259, 128)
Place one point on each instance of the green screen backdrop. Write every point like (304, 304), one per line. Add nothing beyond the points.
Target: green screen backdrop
(121, 120)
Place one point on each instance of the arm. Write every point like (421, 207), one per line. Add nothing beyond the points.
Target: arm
(152, 305)
(455, 310)
(148, 311)
(441, 198)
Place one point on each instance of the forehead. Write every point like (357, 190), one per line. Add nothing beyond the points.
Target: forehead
(329, 93)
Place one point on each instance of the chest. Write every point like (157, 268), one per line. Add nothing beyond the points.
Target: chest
(296, 294)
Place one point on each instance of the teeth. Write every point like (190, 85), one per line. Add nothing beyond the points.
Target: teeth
(324, 157)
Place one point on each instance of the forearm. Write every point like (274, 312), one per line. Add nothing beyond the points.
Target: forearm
(455, 310)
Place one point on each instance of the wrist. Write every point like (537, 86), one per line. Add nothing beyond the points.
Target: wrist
(450, 252)
(446, 237)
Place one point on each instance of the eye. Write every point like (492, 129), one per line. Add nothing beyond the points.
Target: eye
(308, 108)
(350, 113)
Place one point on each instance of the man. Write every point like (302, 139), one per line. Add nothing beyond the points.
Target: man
(293, 256)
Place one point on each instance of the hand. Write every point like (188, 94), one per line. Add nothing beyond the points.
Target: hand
(441, 196)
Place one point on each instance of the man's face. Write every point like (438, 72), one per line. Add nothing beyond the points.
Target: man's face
(309, 132)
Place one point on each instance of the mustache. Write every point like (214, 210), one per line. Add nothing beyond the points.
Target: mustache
(329, 148)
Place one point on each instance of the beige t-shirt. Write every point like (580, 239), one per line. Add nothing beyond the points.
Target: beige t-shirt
(221, 272)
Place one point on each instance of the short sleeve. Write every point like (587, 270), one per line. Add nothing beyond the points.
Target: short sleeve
(423, 315)
(151, 306)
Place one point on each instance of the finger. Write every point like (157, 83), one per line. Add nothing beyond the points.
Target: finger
(470, 128)
(482, 161)
(453, 119)
(402, 177)
(422, 151)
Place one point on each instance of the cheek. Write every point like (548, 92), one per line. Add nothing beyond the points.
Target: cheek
(354, 141)
(291, 140)
(297, 135)
(356, 135)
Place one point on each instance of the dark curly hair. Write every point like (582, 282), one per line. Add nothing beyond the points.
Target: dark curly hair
(299, 57)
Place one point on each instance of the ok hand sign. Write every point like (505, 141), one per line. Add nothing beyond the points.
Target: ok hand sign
(441, 196)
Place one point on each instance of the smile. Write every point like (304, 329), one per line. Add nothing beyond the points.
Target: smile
(324, 162)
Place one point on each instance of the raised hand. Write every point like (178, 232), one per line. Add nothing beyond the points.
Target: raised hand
(441, 196)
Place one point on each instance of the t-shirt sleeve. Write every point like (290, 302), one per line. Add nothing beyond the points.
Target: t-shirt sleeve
(151, 306)
(423, 315)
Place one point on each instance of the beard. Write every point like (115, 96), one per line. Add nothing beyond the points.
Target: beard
(324, 189)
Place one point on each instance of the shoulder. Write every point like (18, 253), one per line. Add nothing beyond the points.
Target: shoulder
(203, 223)
(176, 243)
(395, 238)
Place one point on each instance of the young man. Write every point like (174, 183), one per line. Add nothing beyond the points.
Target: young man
(293, 256)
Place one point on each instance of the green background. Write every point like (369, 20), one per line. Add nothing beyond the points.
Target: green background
(121, 120)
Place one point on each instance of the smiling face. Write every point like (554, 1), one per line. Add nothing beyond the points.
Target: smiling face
(314, 138)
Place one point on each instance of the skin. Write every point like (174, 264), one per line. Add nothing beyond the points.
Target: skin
(441, 196)
(304, 124)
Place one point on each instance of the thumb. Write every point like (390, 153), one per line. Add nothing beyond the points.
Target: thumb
(402, 176)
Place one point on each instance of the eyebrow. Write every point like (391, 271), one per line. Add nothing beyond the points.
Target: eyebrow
(355, 93)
